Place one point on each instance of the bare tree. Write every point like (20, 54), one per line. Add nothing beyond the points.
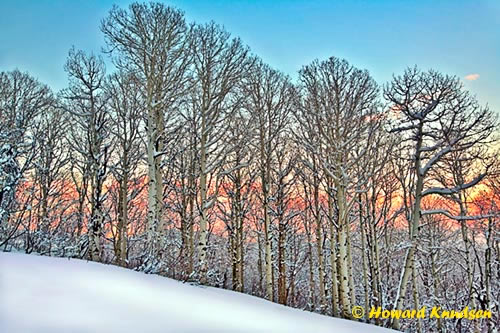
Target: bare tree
(183, 186)
(50, 177)
(270, 101)
(86, 102)
(22, 100)
(151, 41)
(219, 63)
(236, 191)
(283, 211)
(125, 103)
(435, 117)
(340, 104)
(197, 161)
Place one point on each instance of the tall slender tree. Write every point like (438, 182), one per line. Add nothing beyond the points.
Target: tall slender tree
(219, 64)
(86, 102)
(125, 104)
(270, 103)
(151, 41)
(340, 104)
(22, 100)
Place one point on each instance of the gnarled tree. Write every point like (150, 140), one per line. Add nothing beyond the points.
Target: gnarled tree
(435, 117)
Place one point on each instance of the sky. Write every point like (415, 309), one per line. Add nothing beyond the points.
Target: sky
(456, 37)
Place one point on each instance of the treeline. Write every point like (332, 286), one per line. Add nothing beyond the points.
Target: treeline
(196, 160)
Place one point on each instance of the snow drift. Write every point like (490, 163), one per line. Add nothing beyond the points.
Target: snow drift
(45, 294)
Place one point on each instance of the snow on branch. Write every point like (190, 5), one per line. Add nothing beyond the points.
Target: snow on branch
(457, 218)
(456, 189)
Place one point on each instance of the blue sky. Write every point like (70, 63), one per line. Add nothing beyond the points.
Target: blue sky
(456, 37)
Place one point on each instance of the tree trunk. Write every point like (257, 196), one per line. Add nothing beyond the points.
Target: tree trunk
(319, 247)
(333, 260)
(202, 245)
(312, 300)
(364, 249)
(268, 249)
(343, 265)
(153, 188)
(282, 290)
(121, 246)
(409, 260)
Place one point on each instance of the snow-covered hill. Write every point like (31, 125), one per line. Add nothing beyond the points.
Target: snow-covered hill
(44, 294)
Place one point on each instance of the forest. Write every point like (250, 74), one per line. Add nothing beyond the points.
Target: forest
(193, 159)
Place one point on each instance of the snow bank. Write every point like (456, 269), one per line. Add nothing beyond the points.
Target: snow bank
(44, 294)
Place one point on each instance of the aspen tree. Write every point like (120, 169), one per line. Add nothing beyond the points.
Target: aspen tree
(340, 104)
(22, 100)
(219, 65)
(270, 105)
(435, 116)
(125, 105)
(86, 102)
(151, 41)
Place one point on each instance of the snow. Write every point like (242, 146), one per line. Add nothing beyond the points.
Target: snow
(46, 294)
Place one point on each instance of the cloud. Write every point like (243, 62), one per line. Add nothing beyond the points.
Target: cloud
(472, 77)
